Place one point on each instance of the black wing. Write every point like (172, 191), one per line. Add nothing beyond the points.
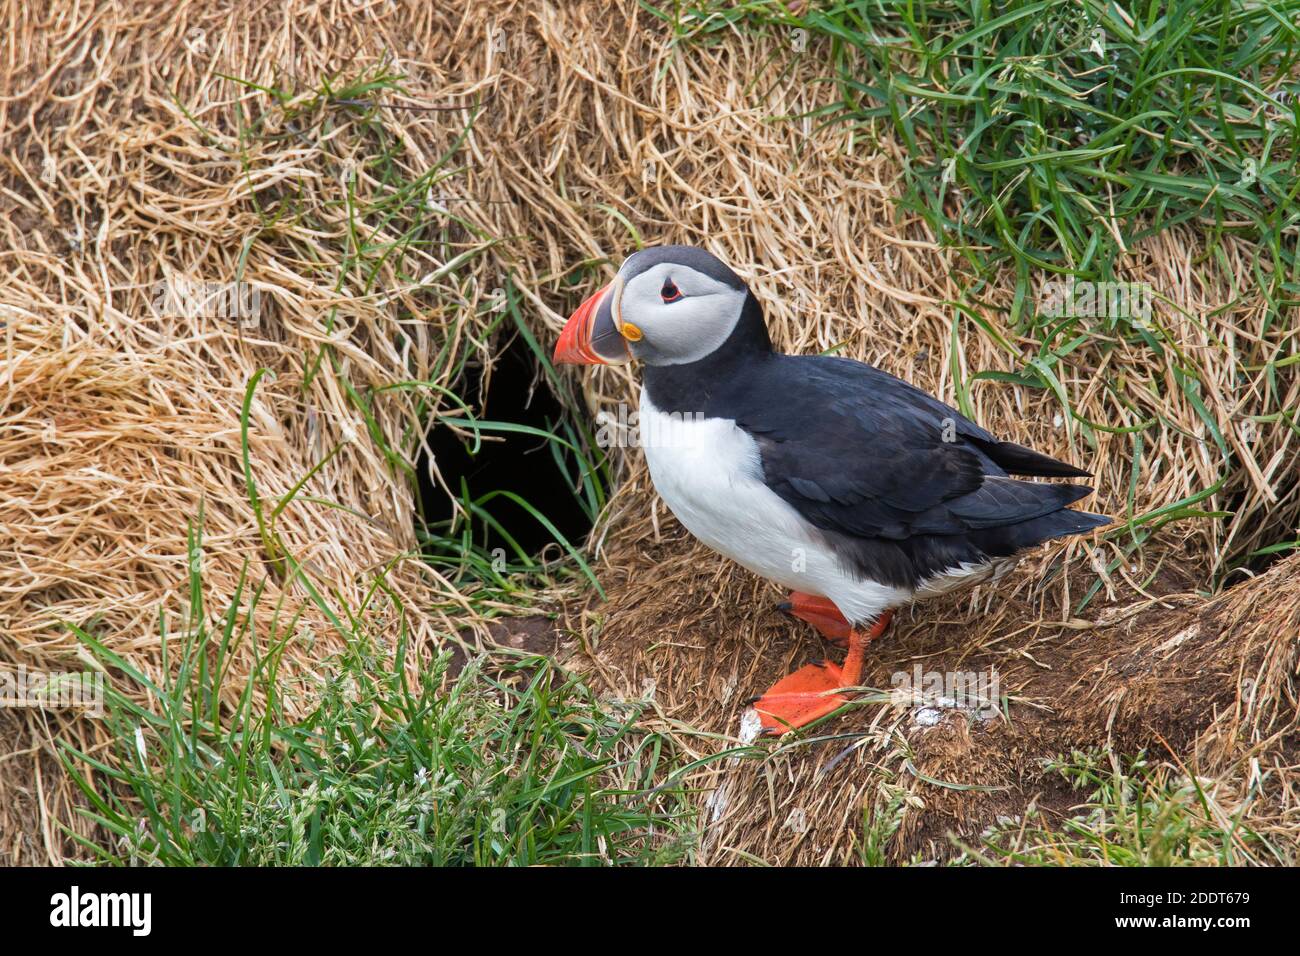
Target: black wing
(857, 451)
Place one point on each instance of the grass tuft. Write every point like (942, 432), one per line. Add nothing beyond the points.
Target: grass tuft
(511, 763)
(1057, 133)
(1134, 813)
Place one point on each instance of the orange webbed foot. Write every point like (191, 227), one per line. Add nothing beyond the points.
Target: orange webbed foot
(798, 699)
(811, 692)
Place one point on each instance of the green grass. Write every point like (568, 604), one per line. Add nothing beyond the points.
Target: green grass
(1131, 813)
(1045, 121)
(512, 763)
(881, 820)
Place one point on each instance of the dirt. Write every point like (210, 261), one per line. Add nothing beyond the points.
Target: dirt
(533, 634)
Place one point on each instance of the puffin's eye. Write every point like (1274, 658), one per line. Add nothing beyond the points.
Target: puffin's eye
(670, 292)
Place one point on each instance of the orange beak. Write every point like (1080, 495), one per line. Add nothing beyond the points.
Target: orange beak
(591, 336)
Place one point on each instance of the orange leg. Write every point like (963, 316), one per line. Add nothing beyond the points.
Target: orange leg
(821, 613)
(798, 699)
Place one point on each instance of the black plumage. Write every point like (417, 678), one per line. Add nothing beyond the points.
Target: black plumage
(903, 486)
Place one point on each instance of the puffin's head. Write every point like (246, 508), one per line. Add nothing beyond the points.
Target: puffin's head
(669, 305)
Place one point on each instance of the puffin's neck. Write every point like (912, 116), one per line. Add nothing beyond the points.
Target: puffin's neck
(702, 385)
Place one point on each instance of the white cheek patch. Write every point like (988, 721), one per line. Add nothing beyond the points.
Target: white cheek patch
(687, 329)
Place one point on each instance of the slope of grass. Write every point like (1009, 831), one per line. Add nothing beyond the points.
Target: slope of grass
(385, 759)
(511, 763)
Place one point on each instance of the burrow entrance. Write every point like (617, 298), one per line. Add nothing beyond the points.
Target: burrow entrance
(544, 472)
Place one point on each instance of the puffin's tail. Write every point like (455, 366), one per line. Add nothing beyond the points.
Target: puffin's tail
(1008, 539)
(1072, 522)
(1019, 460)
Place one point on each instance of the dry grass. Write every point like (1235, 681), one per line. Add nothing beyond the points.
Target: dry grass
(130, 159)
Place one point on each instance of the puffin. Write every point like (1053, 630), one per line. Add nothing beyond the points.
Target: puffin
(857, 491)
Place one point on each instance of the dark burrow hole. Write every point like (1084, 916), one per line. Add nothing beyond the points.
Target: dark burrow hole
(539, 470)
(1278, 540)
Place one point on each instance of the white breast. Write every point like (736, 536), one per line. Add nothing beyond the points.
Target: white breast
(708, 472)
